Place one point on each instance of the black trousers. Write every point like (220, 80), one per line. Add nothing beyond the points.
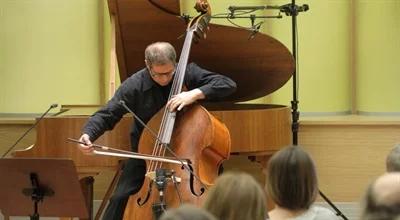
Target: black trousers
(129, 183)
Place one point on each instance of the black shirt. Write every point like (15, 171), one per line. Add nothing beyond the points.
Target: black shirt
(145, 98)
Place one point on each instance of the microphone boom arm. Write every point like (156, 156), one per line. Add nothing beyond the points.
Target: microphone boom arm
(26, 132)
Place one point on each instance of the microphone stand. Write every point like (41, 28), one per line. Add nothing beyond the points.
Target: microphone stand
(26, 132)
(159, 208)
(295, 113)
(293, 11)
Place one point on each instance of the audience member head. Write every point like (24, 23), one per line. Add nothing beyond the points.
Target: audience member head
(393, 160)
(292, 179)
(382, 200)
(236, 196)
(187, 212)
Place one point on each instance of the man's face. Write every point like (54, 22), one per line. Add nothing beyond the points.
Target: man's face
(162, 74)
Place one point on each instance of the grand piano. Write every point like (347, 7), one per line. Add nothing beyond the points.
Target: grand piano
(259, 66)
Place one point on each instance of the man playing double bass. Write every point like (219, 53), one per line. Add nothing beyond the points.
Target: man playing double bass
(146, 92)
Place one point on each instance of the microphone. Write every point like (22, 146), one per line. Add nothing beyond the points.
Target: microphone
(34, 125)
(161, 181)
(283, 8)
(244, 8)
(254, 30)
(288, 9)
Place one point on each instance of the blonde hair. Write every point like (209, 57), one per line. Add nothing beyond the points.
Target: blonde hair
(187, 212)
(236, 196)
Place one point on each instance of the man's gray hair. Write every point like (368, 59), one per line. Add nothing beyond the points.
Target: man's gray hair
(160, 53)
(393, 160)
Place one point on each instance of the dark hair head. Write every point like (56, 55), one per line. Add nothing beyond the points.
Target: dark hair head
(292, 179)
(160, 53)
(187, 212)
(236, 196)
(393, 160)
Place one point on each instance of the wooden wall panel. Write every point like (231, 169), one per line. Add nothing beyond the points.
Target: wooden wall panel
(9, 134)
(348, 152)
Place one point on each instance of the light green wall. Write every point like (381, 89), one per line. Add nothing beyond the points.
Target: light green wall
(324, 46)
(49, 52)
(57, 51)
(377, 53)
(323, 55)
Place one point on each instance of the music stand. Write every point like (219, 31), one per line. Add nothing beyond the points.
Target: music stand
(30, 186)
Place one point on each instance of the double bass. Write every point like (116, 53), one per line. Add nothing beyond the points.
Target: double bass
(193, 136)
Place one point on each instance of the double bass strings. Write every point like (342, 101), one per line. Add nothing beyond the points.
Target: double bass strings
(168, 119)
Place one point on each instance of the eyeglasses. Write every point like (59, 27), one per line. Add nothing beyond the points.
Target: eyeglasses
(157, 75)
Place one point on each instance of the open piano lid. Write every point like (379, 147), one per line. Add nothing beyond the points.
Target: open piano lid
(259, 66)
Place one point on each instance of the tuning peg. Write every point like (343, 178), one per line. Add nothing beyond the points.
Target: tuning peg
(201, 6)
